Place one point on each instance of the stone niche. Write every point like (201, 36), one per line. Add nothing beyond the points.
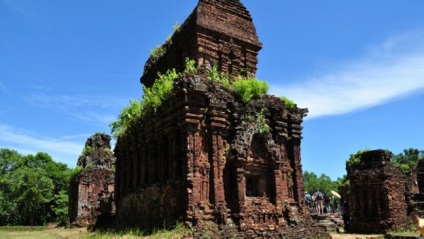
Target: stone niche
(91, 197)
(378, 194)
(203, 157)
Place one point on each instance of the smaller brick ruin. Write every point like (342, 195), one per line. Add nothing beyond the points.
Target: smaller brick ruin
(378, 194)
(91, 197)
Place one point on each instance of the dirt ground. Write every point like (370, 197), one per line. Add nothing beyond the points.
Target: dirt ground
(355, 236)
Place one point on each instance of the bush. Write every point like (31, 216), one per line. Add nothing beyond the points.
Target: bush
(87, 150)
(355, 159)
(128, 114)
(190, 66)
(263, 128)
(214, 75)
(290, 105)
(160, 91)
(158, 51)
(404, 167)
(248, 88)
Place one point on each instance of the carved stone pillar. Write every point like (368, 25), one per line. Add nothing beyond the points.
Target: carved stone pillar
(241, 187)
(189, 124)
(295, 135)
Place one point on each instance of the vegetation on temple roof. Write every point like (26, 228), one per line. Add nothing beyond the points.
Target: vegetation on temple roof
(246, 88)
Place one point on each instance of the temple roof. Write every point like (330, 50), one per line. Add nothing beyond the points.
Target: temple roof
(229, 17)
(212, 28)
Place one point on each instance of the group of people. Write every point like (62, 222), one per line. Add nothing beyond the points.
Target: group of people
(323, 203)
(317, 200)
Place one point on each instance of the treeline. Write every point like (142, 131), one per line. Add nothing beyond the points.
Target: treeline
(323, 183)
(408, 159)
(33, 189)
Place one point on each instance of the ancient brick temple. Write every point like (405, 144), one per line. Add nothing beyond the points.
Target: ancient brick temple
(91, 197)
(203, 157)
(378, 194)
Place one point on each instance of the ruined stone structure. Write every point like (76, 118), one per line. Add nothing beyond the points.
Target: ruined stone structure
(378, 194)
(206, 158)
(91, 197)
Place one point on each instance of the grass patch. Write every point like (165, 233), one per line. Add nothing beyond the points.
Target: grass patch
(23, 232)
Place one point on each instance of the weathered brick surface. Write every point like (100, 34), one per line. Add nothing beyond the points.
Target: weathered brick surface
(378, 193)
(91, 197)
(203, 149)
(97, 153)
(217, 32)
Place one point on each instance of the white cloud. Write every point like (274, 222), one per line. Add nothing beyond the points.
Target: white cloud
(95, 117)
(100, 110)
(64, 101)
(389, 71)
(26, 143)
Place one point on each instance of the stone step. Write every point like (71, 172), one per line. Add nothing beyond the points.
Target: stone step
(327, 225)
(356, 236)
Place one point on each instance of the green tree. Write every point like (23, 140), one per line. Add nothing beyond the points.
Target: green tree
(409, 156)
(9, 214)
(33, 188)
(60, 206)
(8, 160)
(33, 191)
(322, 183)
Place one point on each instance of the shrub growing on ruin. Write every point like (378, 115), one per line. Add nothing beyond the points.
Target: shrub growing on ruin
(87, 150)
(355, 159)
(190, 66)
(249, 88)
(290, 105)
(160, 50)
(214, 75)
(263, 127)
(160, 91)
(246, 88)
(404, 167)
(127, 115)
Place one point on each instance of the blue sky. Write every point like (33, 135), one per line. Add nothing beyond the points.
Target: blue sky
(68, 67)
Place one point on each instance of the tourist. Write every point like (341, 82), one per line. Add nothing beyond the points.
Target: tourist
(308, 199)
(420, 226)
(335, 205)
(345, 215)
(327, 200)
(318, 201)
